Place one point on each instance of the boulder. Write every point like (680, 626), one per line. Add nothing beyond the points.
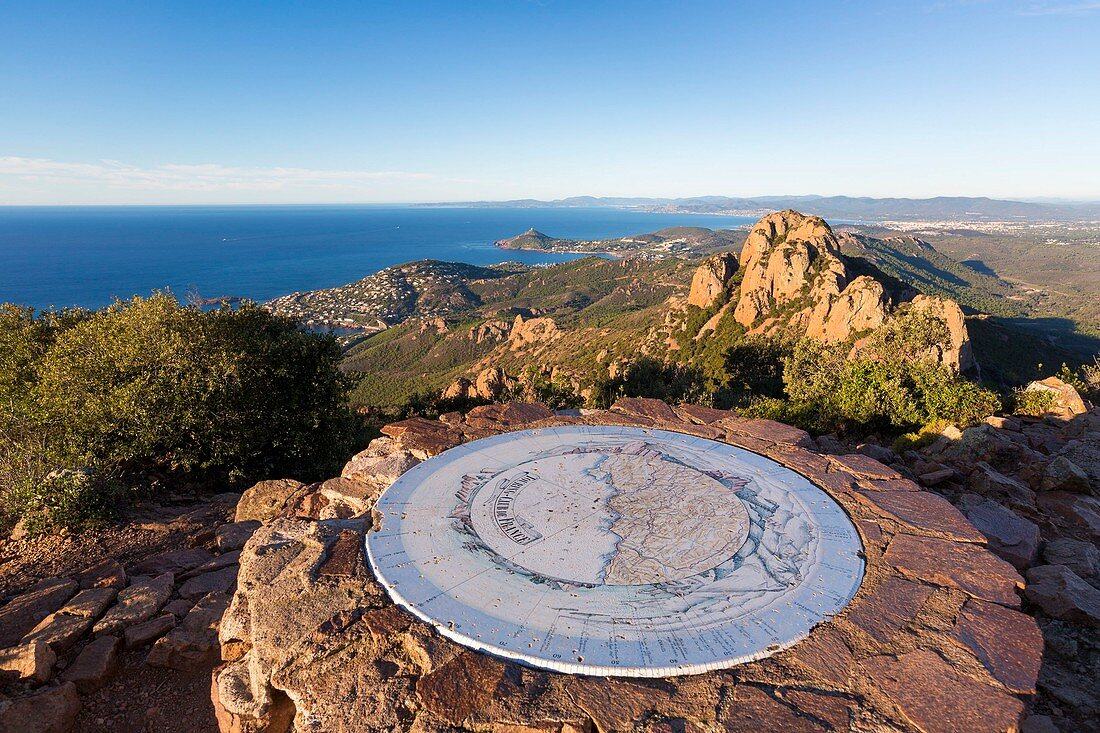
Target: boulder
(956, 353)
(104, 574)
(267, 499)
(32, 662)
(1083, 558)
(530, 332)
(232, 536)
(421, 437)
(173, 561)
(1062, 594)
(151, 630)
(1011, 536)
(492, 383)
(1085, 454)
(709, 283)
(94, 665)
(1062, 474)
(1067, 402)
(51, 711)
(861, 307)
(219, 581)
(136, 603)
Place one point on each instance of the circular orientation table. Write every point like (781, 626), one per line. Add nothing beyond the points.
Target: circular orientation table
(615, 551)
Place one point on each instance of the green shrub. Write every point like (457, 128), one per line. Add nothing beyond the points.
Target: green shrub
(69, 498)
(149, 391)
(1032, 402)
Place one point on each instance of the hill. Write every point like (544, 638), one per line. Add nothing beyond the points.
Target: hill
(673, 241)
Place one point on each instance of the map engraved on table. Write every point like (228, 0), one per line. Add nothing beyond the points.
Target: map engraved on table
(614, 550)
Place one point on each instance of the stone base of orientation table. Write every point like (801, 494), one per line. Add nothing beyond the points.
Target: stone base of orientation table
(933, 641)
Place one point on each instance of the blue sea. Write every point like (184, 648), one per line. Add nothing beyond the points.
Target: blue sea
(86, 256)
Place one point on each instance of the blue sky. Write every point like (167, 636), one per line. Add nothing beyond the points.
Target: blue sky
(238, 102)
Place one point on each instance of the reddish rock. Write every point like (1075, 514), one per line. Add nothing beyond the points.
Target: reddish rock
(21, 614)
(924, 510)
(1062, 474)
(934, 478)
(865, 466)
(1010, 536)
(219, 562)
(421, 437)
(836, 710)
(173, 561)
(658, 410)
(771, 431)
(195, 641)
(752, 710)
(889, 607)
(31, 662)
(219, 581)
(936, 697)
(136, 604)
(104, 574)
(148, 632)
(64, 627)
(1067, 402)
(616, 705)
(1062, 594)
(1082, 558)
(94, 665)
(510, 415)
(701, 415)
(890, 484)
(51, 711)
(232, 536)
(962, 565)
(345, 556)
(309, 504)
(826, 654)
(461, 688)
(267, 499)
(1007, 642)
(1070, 515)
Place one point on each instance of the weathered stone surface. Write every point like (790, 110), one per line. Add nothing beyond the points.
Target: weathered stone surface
(510, 415)
(710, 279)
(51, 711)
(1083, 558)
(1012, 537)
(828, 656)
(701, 415)
(865, 466)
(1062, 594)
(461, 688)
(956, 353)
(990, 483)
(345, 556)
(936, 697)
(658, 410)
(195, 641)
(1070, 515)
(149, 631)
(221, 561)
(1067, 402)
(65, 626)
(136, 603)
(753, 709)
(423, 438)
(240, 709)
(1085, 454)
(924, 511)
(934, 478)
(219, 581)
(104, 574)
(266, 500)
(232, 536)
(889, 607)
(1062, 474)
(94, 665)
(380, 464)
(968, 567)
(22, 613)
(31, 662)
(1007, 642)
(173, 561)
(768, 431)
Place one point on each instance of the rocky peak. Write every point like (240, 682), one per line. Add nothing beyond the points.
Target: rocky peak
(711, 279)
(785, 255)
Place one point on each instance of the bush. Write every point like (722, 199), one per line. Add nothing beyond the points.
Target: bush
(1035, 403)
(149, 390)
(69, 498)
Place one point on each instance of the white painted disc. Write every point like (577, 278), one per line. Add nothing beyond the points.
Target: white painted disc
(608, 550)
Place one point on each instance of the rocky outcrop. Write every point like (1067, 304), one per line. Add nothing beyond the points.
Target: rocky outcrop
(787, 256)
(532, 331)
(711, 280)
(956, 351)
(312, 642)
(1066, 400)
(860, 307)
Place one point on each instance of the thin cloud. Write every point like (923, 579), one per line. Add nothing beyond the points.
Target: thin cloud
(209, 177)
(1060, 8)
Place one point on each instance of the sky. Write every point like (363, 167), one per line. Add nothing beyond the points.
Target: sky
(308, 102)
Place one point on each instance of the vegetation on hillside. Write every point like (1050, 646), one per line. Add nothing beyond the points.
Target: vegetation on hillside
(147, 394)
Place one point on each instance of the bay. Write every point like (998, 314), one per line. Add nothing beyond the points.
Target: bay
(86, 256)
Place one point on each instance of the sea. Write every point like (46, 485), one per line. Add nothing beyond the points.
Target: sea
(88, 256)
